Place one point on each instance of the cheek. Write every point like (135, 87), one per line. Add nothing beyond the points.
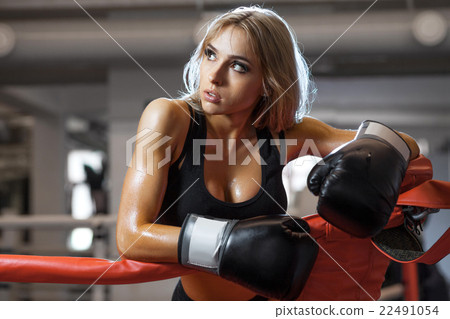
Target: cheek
(251, 88)
(204, 71)
(201, 72)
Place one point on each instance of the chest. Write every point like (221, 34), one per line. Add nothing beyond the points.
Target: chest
(233, 173)
(225, 186)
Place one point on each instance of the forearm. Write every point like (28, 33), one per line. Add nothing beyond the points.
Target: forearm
(150, 243)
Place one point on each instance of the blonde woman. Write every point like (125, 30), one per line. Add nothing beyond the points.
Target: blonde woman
(218, 205)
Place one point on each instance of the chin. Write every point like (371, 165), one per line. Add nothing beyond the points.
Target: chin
(210, 108)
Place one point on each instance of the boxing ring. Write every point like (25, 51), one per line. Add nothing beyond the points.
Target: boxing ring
(418, 190)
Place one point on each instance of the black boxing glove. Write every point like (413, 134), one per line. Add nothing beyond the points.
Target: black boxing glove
(358, 183)
(271, 255)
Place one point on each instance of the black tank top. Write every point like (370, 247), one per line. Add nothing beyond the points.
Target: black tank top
(187, 193)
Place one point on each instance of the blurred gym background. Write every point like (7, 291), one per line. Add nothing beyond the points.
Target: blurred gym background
(76, 75)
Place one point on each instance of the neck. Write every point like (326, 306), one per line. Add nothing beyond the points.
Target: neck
(233, 126)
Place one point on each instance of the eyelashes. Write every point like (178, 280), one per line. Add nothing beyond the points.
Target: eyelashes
(237, 66)
(242, 67)
(208, 53)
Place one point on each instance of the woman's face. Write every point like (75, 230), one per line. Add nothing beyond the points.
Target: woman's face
(230, 74)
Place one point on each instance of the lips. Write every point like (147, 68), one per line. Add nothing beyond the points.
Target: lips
(212, 96)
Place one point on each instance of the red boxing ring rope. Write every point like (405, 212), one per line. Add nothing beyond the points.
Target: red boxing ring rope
(84, 270)
(417, 189)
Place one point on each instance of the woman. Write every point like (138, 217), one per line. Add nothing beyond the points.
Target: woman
(247, 84)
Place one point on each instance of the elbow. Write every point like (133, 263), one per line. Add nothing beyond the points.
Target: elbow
(124, 243)
(415, 150)
(121, 247)
(412, 144)
(131, 244)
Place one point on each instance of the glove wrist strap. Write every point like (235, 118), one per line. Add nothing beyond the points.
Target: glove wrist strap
(201, 239)
(371, 129)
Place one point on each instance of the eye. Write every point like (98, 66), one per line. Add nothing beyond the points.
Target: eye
(210, 54)
(240, 67)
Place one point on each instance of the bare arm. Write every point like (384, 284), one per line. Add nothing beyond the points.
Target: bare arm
(326, 138)
(143, 191)
(415, 151)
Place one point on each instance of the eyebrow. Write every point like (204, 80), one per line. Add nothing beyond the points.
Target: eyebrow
(240, 57)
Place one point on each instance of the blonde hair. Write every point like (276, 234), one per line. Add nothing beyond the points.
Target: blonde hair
(289, 90)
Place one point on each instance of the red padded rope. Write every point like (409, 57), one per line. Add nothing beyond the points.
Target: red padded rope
(417, 190)
(84, 270)
(429, 194)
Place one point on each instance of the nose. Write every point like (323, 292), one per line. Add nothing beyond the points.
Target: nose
(215, 75)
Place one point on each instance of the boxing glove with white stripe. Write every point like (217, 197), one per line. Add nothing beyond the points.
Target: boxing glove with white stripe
(358, 183)
(271, 255)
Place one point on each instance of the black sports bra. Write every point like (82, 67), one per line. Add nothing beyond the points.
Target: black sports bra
(187, 193)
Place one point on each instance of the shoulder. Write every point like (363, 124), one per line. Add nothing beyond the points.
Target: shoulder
(162, 110)
(309, 127)
(168, 117)
(317, 136)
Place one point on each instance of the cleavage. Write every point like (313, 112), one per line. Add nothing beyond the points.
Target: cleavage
(232, 179)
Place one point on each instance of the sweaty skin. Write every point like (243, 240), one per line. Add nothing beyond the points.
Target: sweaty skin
(236, 84)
